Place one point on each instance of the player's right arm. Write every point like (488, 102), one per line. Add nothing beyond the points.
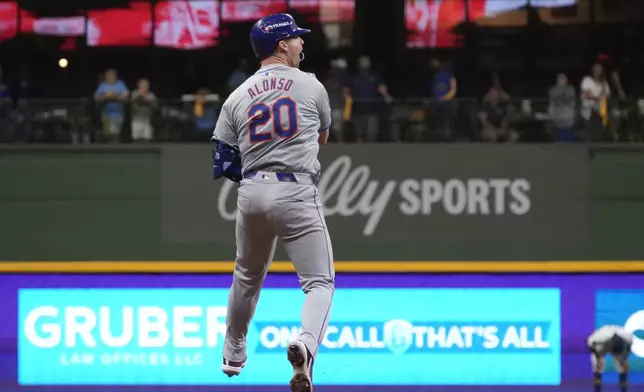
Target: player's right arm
(226, 156)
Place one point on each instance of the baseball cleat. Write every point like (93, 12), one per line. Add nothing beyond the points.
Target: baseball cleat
(301, 361)
(232, 368)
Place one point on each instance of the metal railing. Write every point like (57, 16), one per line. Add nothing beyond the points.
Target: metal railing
(403, 120)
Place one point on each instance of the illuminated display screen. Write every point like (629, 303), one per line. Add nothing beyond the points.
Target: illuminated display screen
(8, 20)
(186, 25)
(432, 23)
(130, 26)
(251, 10)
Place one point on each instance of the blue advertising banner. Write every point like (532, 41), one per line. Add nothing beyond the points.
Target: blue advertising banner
(166, 336)
(410, 295)
(624, 307)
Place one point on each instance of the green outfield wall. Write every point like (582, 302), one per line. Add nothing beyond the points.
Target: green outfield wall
(461, 202)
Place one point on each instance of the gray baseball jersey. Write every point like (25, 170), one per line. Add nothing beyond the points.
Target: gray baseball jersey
(274, 118)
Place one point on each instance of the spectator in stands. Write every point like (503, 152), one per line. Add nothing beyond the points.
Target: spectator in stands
(503, 96)
(334, 84)
(111, 96)
(618, 105)
(495, 126)
(594, 103)
(204, 114)
(562, 109)
(239, 75)
(144, 102)
(366, 92)
(443, 90)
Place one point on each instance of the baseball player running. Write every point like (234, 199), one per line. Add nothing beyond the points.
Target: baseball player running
(268, 136)
(613, 340)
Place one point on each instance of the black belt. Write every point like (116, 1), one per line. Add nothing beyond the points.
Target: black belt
(281, 176)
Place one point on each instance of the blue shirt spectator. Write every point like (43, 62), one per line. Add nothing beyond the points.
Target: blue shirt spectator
(442, 90)
(208, 119)
(366, 85)
(113, 93)
(443, 85)
(204, 113)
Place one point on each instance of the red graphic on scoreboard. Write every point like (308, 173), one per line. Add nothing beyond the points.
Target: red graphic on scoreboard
(430, 23)
(65, 27)
(190, 24)
(8, 20)
(325, 11)
(130, 26)
(250, 10)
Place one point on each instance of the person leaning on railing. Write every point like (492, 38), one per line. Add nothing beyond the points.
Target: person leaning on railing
(203, 109)
(562, 104)
(594, 104)
(111, 95)
(144, 102)
(443, 90)
(365, 94)
(493, 115)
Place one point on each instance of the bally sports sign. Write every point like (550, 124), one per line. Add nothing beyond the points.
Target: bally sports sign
(349, 190)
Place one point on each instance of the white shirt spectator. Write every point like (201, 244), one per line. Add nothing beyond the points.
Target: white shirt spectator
(143, 104)
(597, 90)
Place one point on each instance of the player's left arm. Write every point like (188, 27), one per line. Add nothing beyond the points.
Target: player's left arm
(226, 158)
(324, 109)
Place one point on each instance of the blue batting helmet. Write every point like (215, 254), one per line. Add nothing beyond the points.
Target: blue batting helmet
(271, 29)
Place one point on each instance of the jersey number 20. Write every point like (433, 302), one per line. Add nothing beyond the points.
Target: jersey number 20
(261, 114)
